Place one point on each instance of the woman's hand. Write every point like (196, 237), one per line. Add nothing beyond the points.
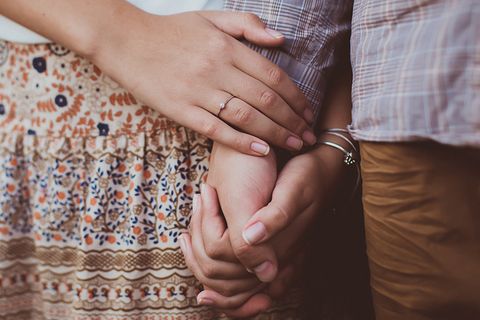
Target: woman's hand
(209, 255)
(185, 66)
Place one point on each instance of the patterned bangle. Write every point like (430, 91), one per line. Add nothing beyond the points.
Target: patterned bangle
(348, 158)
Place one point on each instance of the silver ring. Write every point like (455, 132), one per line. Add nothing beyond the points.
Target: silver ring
(223, 105)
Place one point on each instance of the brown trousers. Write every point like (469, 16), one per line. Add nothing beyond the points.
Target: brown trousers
(422, 224)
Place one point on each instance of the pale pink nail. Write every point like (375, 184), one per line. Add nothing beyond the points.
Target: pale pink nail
(265, 272)
(204, 301)
(274, 33)
(183, 244)
(196, 202)
(294, 143)
(309, 137)
(261, 148)
(254, 233)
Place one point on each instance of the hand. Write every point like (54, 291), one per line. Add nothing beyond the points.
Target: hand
(186, 65)
(305, 186)
(227, 284)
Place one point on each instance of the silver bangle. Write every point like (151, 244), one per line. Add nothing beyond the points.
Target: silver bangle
(350, 160)
(341, 136)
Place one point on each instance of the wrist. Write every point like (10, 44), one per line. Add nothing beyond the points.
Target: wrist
(109, 37)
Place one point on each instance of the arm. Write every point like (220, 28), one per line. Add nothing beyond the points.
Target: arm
(183, 66)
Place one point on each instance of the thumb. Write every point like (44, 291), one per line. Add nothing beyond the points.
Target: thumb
(285, 207)
(245, 25)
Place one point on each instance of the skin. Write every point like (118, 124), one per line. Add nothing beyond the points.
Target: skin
(200, 52)
(303, 188)
(184, 66)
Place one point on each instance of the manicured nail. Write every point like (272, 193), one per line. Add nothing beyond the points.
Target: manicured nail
(294, 143)
(204, 301)
(183, 244)
(265, 272)
(196, 201)
(308, 115)
(254, 233)
(260, 148)
(203, 188)
(274, 33)
(309, 137)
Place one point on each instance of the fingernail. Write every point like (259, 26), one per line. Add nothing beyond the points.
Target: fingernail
(309, 137)
(260, 148)
(294, 143)
(254, 233)
(265, 272)
(204, 301)
(183, 245)
(274, 33)
(308, 115)
(196, 201)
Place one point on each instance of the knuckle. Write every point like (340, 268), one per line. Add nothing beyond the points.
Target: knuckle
(209, 271)
(242, 251)
(242, 116)
(275, 76)
(282, 217)
(300, 127)
(240, 143)
(250, 18)
(219, 43)
(228, 291)
(210, 129)
(204, 67)
(214, 251)
(267, 99)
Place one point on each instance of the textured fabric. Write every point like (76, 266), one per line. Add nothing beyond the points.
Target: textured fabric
(416, 67)
(313, 30)
(11, 31)
(422, 223)
(95, 188)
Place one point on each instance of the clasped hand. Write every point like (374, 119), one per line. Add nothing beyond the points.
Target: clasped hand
(241, 269)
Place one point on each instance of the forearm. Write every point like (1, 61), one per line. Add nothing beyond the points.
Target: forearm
(79, 25)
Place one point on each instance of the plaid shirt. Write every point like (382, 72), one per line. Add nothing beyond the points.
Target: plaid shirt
(416, 71)
(312, 28)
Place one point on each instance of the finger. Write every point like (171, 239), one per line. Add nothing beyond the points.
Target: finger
(227, 288)
(275, 217)
(281, 284)
(274, 77)
(212, 127)
(256, 304)
(214, 229)
(212, 269)
(219, 301)
(260, 260)
(244, 25)
(242, 115)
(269, 102)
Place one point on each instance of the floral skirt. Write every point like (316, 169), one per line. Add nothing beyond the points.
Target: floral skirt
(95, 189)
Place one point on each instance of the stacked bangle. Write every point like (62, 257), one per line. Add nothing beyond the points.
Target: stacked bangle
(351, 157)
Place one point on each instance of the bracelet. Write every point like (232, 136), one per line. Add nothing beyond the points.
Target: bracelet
(348, 158)
(338, 133)
(351, 158)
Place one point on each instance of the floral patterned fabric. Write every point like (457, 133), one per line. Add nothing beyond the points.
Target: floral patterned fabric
(95, 189)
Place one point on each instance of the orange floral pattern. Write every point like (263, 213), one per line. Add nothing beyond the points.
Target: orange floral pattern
(95, 188)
